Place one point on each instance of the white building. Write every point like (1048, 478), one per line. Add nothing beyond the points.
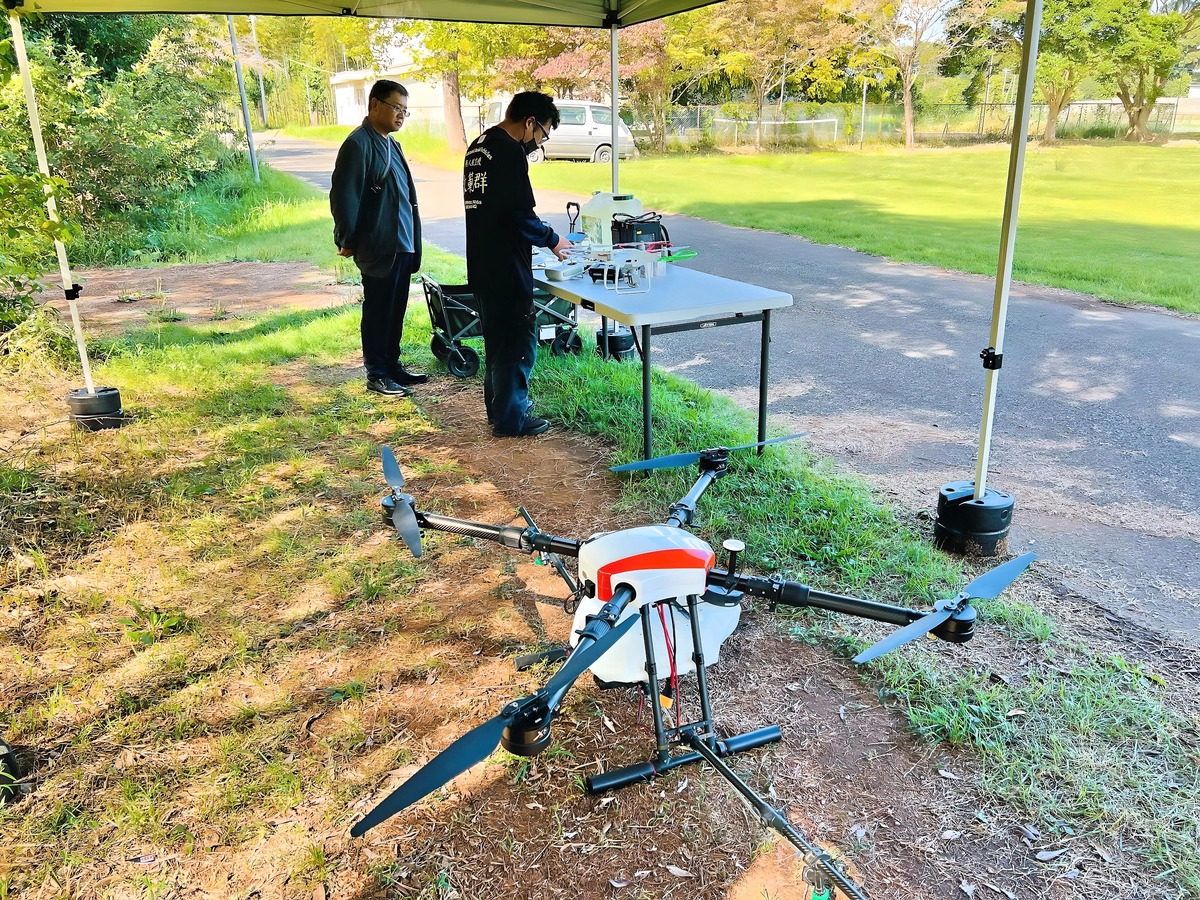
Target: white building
(351, 89)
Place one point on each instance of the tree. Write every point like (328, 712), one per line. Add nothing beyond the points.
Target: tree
(662, 60)
(907, 31)
(1147, 45)
(109, 43)
(1077, 36)
(465, 57)
(778, 39)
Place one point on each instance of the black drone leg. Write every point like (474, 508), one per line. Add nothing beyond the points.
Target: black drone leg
(773, 818)
(701, 675)
(663, 761)
(662, 752)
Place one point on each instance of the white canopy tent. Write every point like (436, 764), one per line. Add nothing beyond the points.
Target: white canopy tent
(609, 14)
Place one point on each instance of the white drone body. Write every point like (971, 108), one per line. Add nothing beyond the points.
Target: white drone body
(659, 562)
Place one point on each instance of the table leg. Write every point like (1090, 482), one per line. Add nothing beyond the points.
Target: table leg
(764, 361)
(646, 391)
(604, 338)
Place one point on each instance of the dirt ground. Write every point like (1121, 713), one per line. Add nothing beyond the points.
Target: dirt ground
(905, 818)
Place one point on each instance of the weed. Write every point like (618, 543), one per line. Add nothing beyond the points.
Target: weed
(148, 624)
(351, 690)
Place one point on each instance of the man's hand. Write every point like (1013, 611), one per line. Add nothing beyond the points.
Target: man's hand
(345, 251)
(562, 248)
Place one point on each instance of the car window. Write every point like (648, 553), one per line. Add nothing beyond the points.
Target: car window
(571, 115)
(602, 115)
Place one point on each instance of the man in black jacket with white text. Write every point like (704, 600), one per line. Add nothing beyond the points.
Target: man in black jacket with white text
(502, 230)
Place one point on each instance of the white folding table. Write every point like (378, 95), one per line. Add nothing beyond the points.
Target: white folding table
(681, 300)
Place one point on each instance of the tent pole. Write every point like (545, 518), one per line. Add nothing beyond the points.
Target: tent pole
(616, 154)
(237, 67)
(970, 516)
(1008, 239)
(35, 125)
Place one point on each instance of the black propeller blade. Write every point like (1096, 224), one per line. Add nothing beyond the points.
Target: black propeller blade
(404, 519)
(994, 582)
(987, 586)
(478, 744)
(391, 470)
(678, 460)
(909, 632)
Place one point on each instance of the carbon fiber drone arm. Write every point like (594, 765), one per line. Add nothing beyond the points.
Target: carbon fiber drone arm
(792, 593)
(527, 540)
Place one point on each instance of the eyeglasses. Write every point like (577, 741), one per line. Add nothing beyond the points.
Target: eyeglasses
(401, 111)
(545, 134)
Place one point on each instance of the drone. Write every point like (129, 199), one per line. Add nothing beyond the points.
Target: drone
(629, 584)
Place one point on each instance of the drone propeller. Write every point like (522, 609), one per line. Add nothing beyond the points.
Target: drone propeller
(404, 519)
(985, 587)
(478, 744)
(678, 460)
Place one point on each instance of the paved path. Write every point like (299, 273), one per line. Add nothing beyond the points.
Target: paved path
(1097, 430)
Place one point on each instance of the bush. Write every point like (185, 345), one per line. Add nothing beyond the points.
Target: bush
(27, 227)
(128, 147)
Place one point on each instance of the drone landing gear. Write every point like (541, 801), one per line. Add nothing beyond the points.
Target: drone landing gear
(701, 737)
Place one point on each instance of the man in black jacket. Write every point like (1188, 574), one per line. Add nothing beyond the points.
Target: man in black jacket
(375, 221)
(502, 230)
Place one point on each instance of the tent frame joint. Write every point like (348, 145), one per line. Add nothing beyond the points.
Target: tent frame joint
(73, 292)
(991, 359)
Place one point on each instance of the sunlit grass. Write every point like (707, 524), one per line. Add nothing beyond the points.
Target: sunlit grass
(1114, 220)
(244, 501)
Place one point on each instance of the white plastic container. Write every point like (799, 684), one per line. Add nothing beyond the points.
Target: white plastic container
(595, 216)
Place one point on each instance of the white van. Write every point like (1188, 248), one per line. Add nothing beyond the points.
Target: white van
(584, 132)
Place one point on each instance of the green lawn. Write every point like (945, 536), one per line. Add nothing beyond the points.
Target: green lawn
(231, 217)
(238, 489)
(1117, 221)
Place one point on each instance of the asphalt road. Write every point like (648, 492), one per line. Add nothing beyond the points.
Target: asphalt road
(1097, 429)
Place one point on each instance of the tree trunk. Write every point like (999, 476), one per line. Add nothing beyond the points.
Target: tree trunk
(456, 132)
(1054, 105)
(760, 99)
(1140, 124)
(909, 137)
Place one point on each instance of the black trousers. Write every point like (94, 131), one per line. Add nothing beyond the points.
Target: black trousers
(510, 350)
(385, 300)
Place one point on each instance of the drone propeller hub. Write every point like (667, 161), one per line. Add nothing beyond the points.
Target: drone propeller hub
(960, 627)
(521, 739)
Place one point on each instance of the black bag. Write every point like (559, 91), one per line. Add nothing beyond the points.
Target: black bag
(646, 228)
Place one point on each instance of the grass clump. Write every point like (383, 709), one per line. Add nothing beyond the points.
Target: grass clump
(1089, 749)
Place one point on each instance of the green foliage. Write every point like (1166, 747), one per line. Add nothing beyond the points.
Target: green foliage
(27, 224)
(127, 145)
(351, 690)
(148, 624)
(109, 43)
(39, 345)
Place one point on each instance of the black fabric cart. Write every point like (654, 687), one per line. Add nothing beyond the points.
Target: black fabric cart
(454, 316)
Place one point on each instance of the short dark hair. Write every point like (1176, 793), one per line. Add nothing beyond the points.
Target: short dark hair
(384, 88)
(533, 103)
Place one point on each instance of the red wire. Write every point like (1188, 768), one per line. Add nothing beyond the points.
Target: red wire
(674, 680)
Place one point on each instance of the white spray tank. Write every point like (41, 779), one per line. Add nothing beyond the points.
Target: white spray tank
(595, 216)
(660, 563)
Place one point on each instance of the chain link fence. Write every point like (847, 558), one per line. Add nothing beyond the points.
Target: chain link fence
(826, 124)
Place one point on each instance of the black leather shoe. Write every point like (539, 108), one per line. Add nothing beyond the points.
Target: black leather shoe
(401, 375)
(388, 387)
(532, 426)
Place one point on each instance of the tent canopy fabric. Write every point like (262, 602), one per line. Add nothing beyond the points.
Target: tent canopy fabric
(585, 13)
